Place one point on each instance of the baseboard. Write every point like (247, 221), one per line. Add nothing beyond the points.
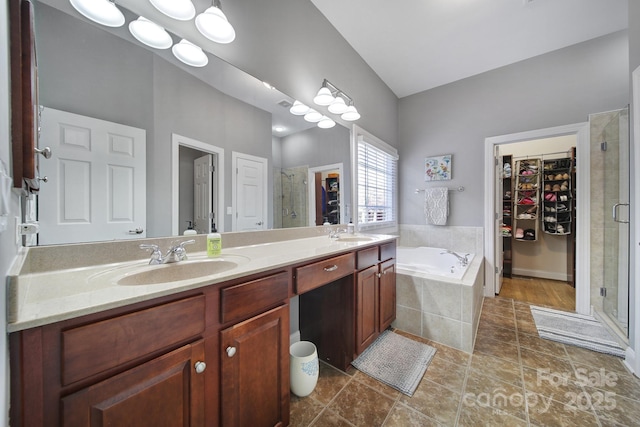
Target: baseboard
(294, 337)
(631, 361)
(563, 277)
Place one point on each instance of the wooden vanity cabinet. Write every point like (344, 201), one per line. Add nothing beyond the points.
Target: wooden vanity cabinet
(254, 353)
(375, 293)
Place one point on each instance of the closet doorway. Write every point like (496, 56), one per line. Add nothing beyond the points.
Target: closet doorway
(538, 197)
(534, 264)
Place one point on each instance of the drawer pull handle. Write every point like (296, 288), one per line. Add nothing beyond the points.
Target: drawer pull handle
(231, 351)
(200, 366)
(332, 268)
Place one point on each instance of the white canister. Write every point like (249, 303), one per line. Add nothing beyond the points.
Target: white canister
(304, 367)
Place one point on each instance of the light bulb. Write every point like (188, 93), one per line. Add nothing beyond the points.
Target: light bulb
(214, 25)
(298, 109)
(324, 96)
(182, 10)
(351, 114)
(190, 54)
(326, 123)
(338, 106)
(150, 33)
(103, 12)
(313, 116)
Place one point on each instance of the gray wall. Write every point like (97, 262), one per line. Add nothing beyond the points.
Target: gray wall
(557, 88)
(634, 62)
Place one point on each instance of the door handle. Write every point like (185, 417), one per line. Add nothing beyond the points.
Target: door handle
(259, 223)
(614, 213)
(137, 231)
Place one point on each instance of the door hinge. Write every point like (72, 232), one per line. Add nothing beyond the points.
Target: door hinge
(496, 270)
(212, 215)
(212, 169)
(603, 292)
(603, 146)
(496, 160)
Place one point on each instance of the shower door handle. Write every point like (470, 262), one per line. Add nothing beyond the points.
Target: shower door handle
(615, 213)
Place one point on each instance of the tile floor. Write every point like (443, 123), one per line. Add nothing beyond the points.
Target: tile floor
(513, 378)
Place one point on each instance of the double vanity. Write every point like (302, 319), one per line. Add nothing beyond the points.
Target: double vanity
(99, 339)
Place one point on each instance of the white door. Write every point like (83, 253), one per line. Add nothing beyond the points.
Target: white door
(250, 191)
(97, 180)
(498, 226)
(202, 196)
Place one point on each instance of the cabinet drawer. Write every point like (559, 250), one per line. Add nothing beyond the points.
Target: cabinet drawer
(241, 301)
(97, 347)
(388, 251)
(367, 257)
(322, 272)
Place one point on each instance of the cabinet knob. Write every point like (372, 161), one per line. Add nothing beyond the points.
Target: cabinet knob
(379, 275)
(200, 366)
(231, 351)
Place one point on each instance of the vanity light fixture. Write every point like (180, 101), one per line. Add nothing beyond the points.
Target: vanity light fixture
(337, 100)
(104, 12)
(214, 25)
(298, 109)
(182, 10)
(313, 116)
(190, 54)
(326, 123)
(150, 33)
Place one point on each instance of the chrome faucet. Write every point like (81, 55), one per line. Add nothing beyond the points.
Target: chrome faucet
(464, 260)
(176, 253)
(335, 233)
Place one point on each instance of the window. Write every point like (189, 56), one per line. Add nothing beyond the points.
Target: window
(376, 183)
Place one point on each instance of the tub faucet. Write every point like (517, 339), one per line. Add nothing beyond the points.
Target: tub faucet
(464, 260)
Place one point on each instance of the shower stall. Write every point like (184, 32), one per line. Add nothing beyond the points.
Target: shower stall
(290, 194)
(610, 215)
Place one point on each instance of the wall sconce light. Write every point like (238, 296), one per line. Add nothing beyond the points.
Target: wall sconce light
(150, 33)
(214, 25)
(182, 10)
(337, 100)
(104, 12)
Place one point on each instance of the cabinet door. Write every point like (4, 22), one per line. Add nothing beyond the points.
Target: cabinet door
(166, 391)
(255, 370)
(387, 293)
(366, 308)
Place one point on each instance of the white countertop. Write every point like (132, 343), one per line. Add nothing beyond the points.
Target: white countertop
(36, 299)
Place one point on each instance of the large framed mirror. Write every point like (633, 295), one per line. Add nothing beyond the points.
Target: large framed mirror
(105, 74)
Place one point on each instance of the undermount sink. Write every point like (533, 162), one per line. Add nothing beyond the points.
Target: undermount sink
(354, 239)
(183, 270)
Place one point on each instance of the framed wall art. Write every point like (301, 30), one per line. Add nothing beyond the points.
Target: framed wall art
(437, 168)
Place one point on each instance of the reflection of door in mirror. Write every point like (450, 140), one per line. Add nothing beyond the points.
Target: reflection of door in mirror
(203, 218)
(249, 197)
(96, 186)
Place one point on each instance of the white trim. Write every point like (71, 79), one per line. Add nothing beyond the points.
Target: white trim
(176, 142)
(234, 182)
(563, 277)
(311, 188)
(632, 361)
(581, 130)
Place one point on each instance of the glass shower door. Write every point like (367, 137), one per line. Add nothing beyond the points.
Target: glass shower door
(615, 187)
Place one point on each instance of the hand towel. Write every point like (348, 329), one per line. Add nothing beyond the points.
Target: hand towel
(436, 205)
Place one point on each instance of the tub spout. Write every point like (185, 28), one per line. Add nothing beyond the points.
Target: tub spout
(464, 260)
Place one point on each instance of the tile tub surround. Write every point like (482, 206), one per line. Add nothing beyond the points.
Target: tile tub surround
(441, 309)
(459, 239)
(50, 284)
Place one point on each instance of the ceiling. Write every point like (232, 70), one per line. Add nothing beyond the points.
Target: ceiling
(416, 45)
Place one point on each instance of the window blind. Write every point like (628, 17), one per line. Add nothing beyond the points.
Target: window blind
(377, 179)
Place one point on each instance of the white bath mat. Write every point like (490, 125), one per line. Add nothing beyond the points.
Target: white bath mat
(396, 361)
(575, 329)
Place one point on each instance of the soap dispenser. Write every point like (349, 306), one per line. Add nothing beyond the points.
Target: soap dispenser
(190, 231)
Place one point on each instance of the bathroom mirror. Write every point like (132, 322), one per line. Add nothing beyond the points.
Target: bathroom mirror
(104, 73)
